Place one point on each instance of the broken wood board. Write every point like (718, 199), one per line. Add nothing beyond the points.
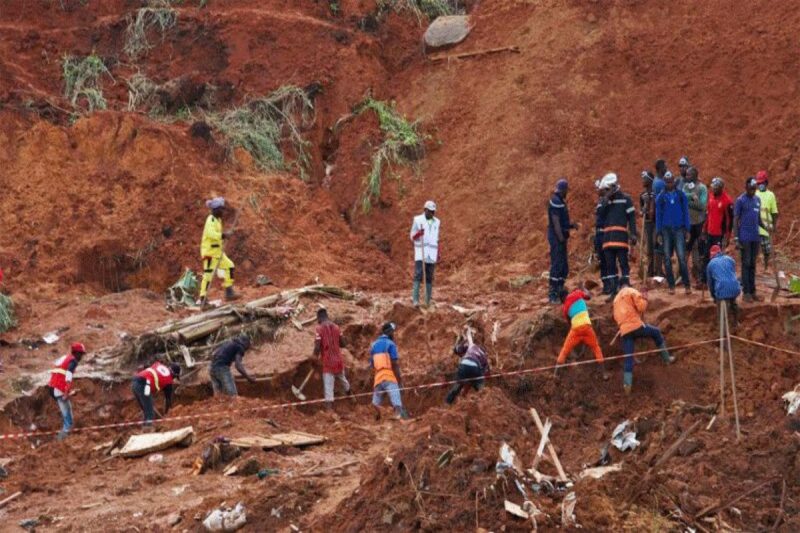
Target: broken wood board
(139, 445)
(599, 471)
(298, 438)
(514, 509)
(256, 441)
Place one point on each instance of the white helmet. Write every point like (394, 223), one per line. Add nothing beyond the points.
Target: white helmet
(430, 205)
(609, 181)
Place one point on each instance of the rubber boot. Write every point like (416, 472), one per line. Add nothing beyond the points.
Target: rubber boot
(230, 294)
(627, 382)
(665, 355)
(613, 287)
(401, 412)
(428, 293)
(415, 294)
(603, 373)
(62, 435)
(552, 296)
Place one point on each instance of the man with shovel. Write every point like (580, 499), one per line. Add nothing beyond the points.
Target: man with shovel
(229, 353)
(327, 346)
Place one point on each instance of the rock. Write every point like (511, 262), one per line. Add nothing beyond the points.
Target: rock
(248, 467)
(689, 447)
(156, 458)
(388, 517)
(29, 523)
(479, 466)
(171, 520)
(262, 280)
(447, 30)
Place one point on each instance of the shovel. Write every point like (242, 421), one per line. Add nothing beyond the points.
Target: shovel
(298, 391)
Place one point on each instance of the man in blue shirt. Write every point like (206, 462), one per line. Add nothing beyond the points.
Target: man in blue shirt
(746, 222)
(384, 360)
(558, 226)
(672, 225)
(722, 282)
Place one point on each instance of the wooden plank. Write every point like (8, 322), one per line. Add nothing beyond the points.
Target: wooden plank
(10, 499)
(561, 474)
(256, 441)
(298, 438)
(139, 445)
(514, 49)
(514, 509)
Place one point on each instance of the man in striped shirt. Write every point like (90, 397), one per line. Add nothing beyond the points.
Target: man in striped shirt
(581, 330)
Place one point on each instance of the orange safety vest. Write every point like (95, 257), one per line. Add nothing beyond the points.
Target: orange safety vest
(58, 374)
(382, 363)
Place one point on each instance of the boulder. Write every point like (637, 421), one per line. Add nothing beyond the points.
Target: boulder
(447, 30)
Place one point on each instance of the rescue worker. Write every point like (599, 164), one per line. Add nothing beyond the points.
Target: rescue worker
(672, 225)
(722, 282)
(658, 188)
(647, 204)
(697, 195)
(155, 378)
(719, 218)
(327, 346)
(473, 365)
(229, 353)
(211, 250)
(558, 227)
(384, 361)
(619, 233)
(629, 306)
(61, 382)
(746, 225)
(425, 237)
(599, 225)
(661, 169)
(769, 215)
(581, 330)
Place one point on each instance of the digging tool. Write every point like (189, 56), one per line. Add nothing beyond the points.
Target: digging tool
(642, 265)
(298, 391)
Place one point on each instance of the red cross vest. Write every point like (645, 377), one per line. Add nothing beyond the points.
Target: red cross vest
(158, 375)
(58, 374)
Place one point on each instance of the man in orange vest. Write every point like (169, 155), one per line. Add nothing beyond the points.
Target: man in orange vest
(629, 306)
(61, 382)
(158, 377)
(383, 358)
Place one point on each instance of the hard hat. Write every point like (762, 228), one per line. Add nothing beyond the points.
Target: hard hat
(596, 184)
(388, 328)
(717, 182)
(668, 176)
(750, 182)
(430, 205)
(77, 347)
(761, 177)
(608, 181)
(562, 185)
(215, 203)
(683, 162)
(647, 174)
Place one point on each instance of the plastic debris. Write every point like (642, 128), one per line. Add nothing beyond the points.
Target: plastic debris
(792, 399)
(184, 291)
(508, 460)
(50, 338)
(599, 471)
(156, 458)
(623, 438)
(226, 519)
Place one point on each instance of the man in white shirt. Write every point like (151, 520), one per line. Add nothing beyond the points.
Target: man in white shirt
(425, 236)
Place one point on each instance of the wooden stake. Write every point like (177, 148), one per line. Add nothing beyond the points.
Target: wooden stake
(514, 49)
(721, 359)
(675, 445)
(10, 499)
(561, 474)
(733, 375)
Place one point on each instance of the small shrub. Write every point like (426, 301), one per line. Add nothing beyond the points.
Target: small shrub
(82, 81)
(400, 137)
(158, 15)
(263, 125)
(8, 319)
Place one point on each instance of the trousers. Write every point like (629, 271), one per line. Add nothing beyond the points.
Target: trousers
(559, 266)
(65, 407)
(581, 335)
(473, 376)
(696, 250)
(629, 346)
(429, 271)
(145, 401)
(617, 277)
(749, 257)
(222, 380)
(211, 265)
(675, 240)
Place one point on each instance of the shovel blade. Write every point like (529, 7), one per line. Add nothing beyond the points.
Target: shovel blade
(298, 394)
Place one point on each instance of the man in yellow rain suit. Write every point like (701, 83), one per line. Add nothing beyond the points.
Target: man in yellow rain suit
(211, 250)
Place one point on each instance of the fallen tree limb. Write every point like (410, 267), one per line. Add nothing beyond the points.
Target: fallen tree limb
(675, 445)
(711, 509)
(10, 499)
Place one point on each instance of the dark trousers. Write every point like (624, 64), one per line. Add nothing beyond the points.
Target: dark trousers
(617, 277)
(559, 265)
(696, 250)
(467, 372)
(601, 259)
(675, 240)
(749, 258)
(429, 268)
(629, 346)
(650, 245)
(145, 402)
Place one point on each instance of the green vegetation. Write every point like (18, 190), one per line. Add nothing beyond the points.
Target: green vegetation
(263, 125)
(82, 81)
(8, 318)
(400, 139)
(158, 15)
(422, 8)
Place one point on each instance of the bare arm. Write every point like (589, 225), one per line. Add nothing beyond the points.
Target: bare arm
(240, 367)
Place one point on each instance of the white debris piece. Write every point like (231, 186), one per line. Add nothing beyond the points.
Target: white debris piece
(508, 460)
(624, 439)
(50, 338)
(568, 509)
(792, 400)
(226, 519)
(599, 471)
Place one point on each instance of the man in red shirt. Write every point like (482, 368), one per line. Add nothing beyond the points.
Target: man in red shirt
(158, 377)
(719, 220)
(60, 384)
(327, 346)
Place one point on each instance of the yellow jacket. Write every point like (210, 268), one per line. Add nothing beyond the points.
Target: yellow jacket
(211, 245)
